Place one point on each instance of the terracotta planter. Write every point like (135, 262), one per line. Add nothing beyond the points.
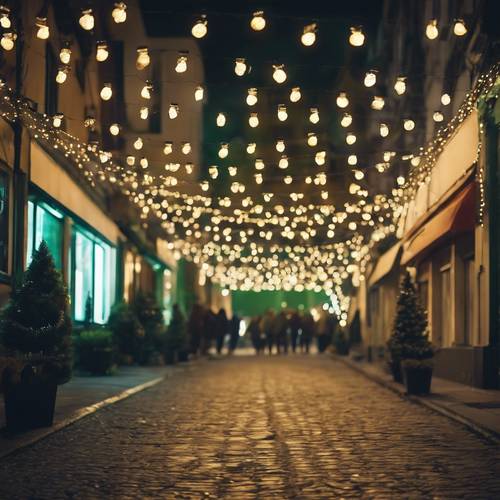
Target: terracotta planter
(417, 380)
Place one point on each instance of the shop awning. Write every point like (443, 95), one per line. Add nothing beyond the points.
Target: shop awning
(385, 264)
(457, 216)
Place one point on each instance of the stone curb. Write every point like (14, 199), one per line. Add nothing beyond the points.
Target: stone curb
(484, 432)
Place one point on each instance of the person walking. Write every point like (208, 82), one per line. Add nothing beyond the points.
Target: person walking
(221, 329)
(195, 328)
(280, 332)
(253, 330)
(234, 333)
(267, 328)
(308, 329)
(295, 327)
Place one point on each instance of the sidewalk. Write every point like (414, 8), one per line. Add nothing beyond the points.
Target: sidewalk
(82, 396)
(477, 409)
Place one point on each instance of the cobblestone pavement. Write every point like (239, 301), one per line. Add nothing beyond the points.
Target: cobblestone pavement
(294, 427)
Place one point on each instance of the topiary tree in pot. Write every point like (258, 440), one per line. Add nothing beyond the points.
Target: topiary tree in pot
(35, 328)
(175, 338)
(410, 351)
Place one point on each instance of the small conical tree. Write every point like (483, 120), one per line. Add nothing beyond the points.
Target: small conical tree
(409, 335)
(35, 320)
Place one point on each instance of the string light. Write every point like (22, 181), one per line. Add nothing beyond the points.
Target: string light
(106, 92)
(130, 160)
(259, 164)
(408, 124)
(221, 119)
(167, 148)
(199, 93)
(370, 78)
(378, 103)
(5, 21)
(253, 121)
(224, 150)
(102, 52)
(445, 99)
(119, 13)
(65, 55)
(87, 20)
(7, 40)
(258, 22)
(309, 35)
(57, 120)
(252, 97)
(279, 74)
(350, 138)
(356, 38)
(459, 28)
(200, 28)
(314, 115)
(181, 65)
(173, 111)
(280, 145)
(400, 85)
(282, 114)
(143, 59)
(431, 31)
(352, 160)
(144, 162)
(320, 158)
(114, 129)
(144, 113)
(346, 120)
(146, 90)
(312, 139)
(62, 74)
(43, 31)
(384, 130)
(437, 116)
(342, 100)
(138, 144)
(295, 94)
(240, 66)
(283, 163)
(251, 147)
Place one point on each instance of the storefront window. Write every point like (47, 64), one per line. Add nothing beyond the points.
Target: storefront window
(4, 222)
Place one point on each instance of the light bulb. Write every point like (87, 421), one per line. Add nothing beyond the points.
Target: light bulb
(144, 112)
(378, 103)
(173, 111)
(65, 55)
(5, 21)
(62, 75)
(295, 94)
(400, 85)
(400, 180)
(199, 30)
(314, 115)
(223, 150)
(189, 167)
(221, 119)
(252, 97)
(102, 52)
(205, 186)
(253, 121)
(7, 40)
(106, 92)
(438, 116)
(280, 145)
(258, 22)
(356, 38)
(186, 148)
(43, 31)
(143, 60)
(114, 129)
(57, 120)
(119, 13)
(352, 160)
(138, 144)
(146, 91)
(167, 148)
(232, 170)
(312, 139)
(445, 99)
(130, 160)
(213, 171)
(408, 124)
(350, 138)
(319, 158)
(282, 114)
(370, 79)
(346, 120)
(259, 164)
(431, 31)
(258, 178)
(240, 66)
(181, 65)
(198, 93)
(415, 161)
(459, 27)
(309, 35)
(144, 162)
(283, 163)
(359, 175)
(342, 100)
(384, 130)
(279, 74)
(288, 179)
(87, 20)
(251, 148)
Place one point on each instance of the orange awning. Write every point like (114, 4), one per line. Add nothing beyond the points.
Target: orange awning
(457, 216)
(385, 264)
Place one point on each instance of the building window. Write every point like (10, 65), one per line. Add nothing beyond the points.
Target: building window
(445, 312)
(92, 281)
(51, 86)
(469, 274)
(45, 224)
(373, 306)
(4, 221)
(423, 294)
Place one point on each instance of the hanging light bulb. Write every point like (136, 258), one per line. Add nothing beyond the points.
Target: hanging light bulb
(253, 121)
(181, 65)
(288, 179)
(106, 92)
(144, 112)
(138, 144)
(252, 97)
(200, 28)
(144, 162)
(146, 90)
(356, 38)
(102, 52)
(198, 93)
(313, 115)
(342, 100)
(309, 34)
(295, 94)
(415, 161)
(280, 145)
(320, 158)
(258, 22)
(431, 31)
(378, 103)
(213, 170)
(400, 85)
(258, 178)
(232, 170)
(259, 164)
(240, 66)
(279, 74)
(350, 138)
(7, 40)
(205, 186)
(401, 180)
(119, 12)
(370, 78)
(438, 116)
(87, 20)
(408, 124)
(43, 31)
(189, 167)
(62, 74)
(352, 160)
(104, 156)
(167, 148)
(282, 114)
(5, 21)
(445, 99)
(130, 160)
(384, 130)
(346, 120)
(57, 120)
(223, 150)
(65, 55)
(173, 111)
(186, 148)
(143, 60)
(251, 148)
(283, 163)
(114, 129)
(312, 139)
(459, 27)
(221, 119)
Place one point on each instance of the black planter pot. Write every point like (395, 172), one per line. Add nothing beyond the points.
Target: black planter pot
(417, 380)
(30, 404)
(397, 374)
(183, 356)
(97, 361)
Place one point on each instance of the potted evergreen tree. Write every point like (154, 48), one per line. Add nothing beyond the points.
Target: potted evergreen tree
(35, 328)
(150, 315)
(410, 351)
(175, 339)
(128, 333)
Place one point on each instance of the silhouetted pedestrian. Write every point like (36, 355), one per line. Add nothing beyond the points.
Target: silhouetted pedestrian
(295, 328)
(267, 324)
(195, 328)
(209, 327)
(221, 330)
(308, 328)
(234, 333)
(254, 332)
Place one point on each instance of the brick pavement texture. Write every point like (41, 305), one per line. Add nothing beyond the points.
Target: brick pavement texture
(267, 427)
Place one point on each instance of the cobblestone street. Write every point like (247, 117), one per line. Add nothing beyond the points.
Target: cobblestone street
(248, 427)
